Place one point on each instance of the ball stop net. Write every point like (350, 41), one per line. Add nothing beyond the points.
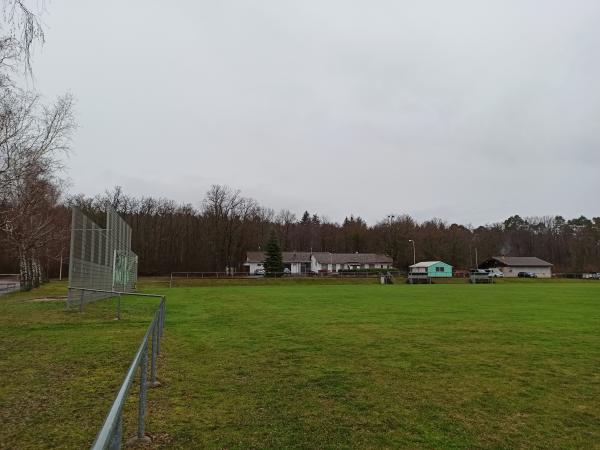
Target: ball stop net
(100, 258)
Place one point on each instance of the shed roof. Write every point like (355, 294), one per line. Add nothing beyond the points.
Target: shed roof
(288, 257)
(351, 258)
(324, 257)
(428, 263)
(520, 261)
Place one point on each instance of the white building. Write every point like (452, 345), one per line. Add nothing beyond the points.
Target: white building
(297, 262)
(510, 266)
(334, 262)
(305, 262)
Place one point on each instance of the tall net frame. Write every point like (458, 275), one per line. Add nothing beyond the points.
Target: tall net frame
(100, 258)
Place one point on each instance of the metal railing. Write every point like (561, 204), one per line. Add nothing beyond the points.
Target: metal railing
(9, 282)
(196, 275)
(375, 273)
(5, 288)
(110, 435)
(12, 276)
(481, 278)
(581, 275)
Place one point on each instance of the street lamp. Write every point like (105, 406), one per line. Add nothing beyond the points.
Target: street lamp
(414, 252)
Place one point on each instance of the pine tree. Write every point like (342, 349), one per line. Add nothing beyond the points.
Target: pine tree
(305, 218)
(274, 259)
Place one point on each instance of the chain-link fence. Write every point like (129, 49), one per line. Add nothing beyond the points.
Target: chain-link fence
(100, 258)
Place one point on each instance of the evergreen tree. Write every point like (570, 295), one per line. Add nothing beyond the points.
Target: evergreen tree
(274, 259)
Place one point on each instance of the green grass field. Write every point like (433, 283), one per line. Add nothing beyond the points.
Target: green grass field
(510, 365)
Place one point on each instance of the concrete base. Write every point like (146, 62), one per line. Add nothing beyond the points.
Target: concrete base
(150, 384)
(135, 441)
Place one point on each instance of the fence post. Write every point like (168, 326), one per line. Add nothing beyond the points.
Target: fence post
(141, 436)
(171, 281)
(159, 325)
(155, 339)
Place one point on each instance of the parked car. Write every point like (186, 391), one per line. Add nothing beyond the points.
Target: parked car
(259, 272)
(287, 271)
(526, 275)
(479, 272)
(591, 276)
(495, 273)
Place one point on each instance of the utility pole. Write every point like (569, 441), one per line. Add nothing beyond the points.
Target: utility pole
(414, 251)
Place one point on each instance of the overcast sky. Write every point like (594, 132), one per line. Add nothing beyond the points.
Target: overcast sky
(470, 111)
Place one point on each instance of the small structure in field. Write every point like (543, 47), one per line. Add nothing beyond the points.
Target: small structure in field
(426, 271)
(511, 266)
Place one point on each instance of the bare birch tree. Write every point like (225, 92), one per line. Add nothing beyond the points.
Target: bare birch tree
(33, 137)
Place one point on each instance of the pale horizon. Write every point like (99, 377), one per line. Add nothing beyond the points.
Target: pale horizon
(486, 110)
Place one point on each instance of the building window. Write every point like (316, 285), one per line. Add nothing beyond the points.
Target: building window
(439, 269)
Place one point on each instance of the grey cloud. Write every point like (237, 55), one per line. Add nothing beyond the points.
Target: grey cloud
(484, 109)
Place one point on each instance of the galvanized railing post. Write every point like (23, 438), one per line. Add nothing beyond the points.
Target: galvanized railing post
(164, 310)
(159, 322)
(155, 338)
(143, 389)
(159, 331)
(141, 437)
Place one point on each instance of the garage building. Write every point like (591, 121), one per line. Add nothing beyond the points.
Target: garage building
(510, 266)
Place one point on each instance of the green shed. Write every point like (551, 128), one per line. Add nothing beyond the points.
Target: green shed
(431, 269)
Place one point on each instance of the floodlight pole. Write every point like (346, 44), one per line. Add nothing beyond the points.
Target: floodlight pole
(414, 251)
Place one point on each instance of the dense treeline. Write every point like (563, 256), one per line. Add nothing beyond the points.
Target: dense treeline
(169, 236)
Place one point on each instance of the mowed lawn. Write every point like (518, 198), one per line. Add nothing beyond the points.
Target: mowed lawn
(510, 365)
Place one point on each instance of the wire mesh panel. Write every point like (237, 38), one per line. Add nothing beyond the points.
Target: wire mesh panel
(100, 258)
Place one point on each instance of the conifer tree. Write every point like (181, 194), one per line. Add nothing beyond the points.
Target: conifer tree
(274, 259)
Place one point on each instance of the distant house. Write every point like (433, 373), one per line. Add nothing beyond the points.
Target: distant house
(430, 269)
(510, 266)
(296, 262)
(304, 262)
(334, 262)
